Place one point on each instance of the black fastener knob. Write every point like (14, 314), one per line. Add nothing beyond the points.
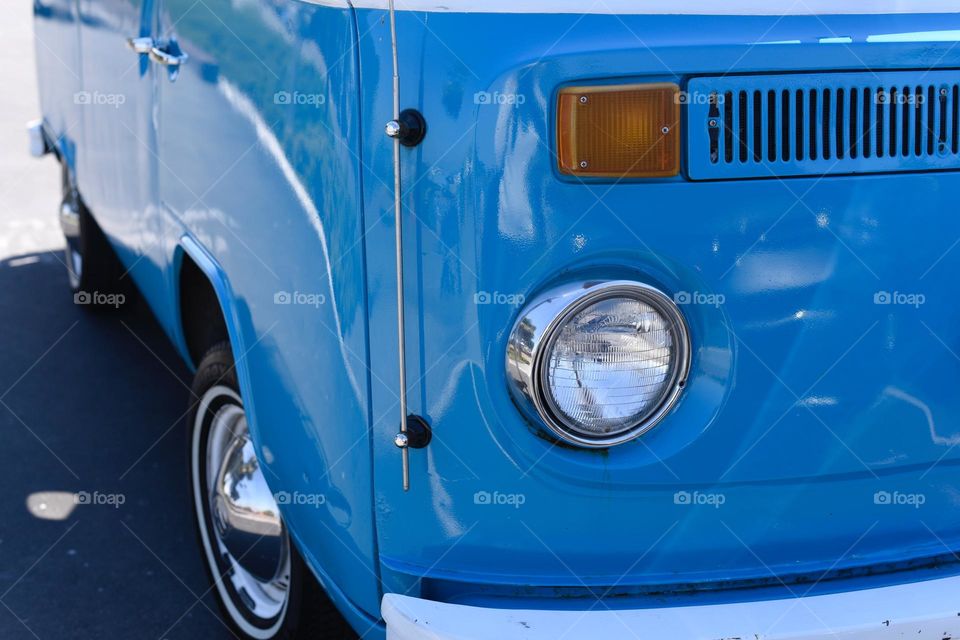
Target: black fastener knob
(417, 436)
(410, 128)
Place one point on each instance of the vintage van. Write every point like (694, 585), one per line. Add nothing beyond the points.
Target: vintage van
(529, 319)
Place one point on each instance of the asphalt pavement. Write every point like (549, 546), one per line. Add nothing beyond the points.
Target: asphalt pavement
(96, 531)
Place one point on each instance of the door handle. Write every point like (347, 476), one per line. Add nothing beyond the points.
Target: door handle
(140, 45)
(169, 56)
(160, 55)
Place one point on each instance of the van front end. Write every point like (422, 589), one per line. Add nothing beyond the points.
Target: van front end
(679, 292)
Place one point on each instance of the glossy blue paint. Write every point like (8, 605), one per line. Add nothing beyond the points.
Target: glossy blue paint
(264, 161)
(798, 474)
(58, 60)
(276, 202)
(112, 110)
(293, 227)
(316, 557)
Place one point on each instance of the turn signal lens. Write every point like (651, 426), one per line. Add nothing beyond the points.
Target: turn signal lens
(619, 131)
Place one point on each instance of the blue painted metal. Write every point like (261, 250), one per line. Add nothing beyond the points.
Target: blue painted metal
(822, 123)
(806, 398)
(275, 200)
(58, 36)
(117, 152)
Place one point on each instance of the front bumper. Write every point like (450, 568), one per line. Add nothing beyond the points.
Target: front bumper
(920, 610)
(39, 146)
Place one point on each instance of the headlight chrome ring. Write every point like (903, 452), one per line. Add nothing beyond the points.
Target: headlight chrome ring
(599, 363)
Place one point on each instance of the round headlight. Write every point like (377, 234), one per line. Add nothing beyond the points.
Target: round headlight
(599, 362)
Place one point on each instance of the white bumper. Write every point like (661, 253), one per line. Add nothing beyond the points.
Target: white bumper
(921, 611)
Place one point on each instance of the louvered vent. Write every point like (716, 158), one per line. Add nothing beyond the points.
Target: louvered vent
(789, 125)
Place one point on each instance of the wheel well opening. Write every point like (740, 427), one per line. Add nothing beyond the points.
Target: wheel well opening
(200, 315)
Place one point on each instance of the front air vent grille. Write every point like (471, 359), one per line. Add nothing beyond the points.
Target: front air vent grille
(819, 124)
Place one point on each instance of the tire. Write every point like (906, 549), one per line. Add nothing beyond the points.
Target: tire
(305, 610)
(96, 276)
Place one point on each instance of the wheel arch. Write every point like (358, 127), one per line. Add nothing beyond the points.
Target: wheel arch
(193, 257)
(200, 312)
(205, 312)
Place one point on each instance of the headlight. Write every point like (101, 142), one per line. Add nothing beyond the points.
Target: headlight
(599, 362)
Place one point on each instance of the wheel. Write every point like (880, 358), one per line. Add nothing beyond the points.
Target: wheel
(95, 274)
(262, 584)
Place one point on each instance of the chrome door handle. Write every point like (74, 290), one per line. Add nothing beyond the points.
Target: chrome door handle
(161, 56)
(140, 45)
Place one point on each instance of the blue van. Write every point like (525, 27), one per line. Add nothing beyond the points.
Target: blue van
(541, 320)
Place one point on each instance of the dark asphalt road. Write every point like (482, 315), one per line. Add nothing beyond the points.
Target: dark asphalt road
(93, 404)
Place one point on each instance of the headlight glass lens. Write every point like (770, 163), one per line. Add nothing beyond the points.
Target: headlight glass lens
(611, 365)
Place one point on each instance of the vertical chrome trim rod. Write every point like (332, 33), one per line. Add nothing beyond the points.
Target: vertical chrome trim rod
(398, 227)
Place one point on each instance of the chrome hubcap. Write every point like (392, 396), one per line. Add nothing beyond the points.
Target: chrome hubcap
(70, 224)
(247, 531)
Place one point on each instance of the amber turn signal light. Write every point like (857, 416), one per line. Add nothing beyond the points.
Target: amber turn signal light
(619, 131)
